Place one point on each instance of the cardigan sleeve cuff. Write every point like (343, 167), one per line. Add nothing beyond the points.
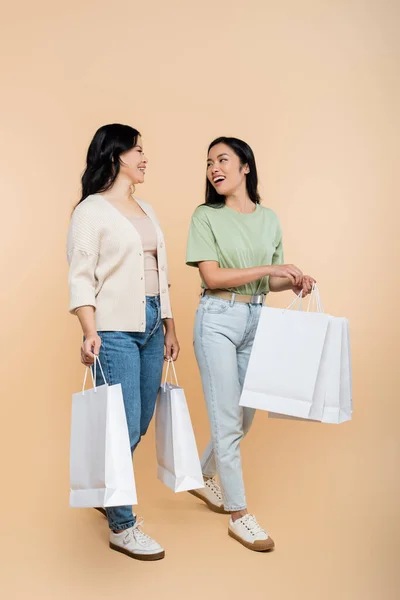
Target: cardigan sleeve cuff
(82, 300)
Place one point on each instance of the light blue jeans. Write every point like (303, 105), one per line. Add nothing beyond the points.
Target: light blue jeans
(223, 338)
(135, 360)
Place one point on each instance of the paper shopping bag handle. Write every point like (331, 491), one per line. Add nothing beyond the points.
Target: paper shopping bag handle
(315, 295)
(85, 379)
(170, 362)
(314, 298)
(93, 375)
(298, 299)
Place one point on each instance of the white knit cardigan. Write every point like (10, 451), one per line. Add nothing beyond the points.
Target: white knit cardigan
(106, 265)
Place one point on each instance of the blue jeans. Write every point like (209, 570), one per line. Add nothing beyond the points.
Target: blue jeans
(135, 360)
(223, 338)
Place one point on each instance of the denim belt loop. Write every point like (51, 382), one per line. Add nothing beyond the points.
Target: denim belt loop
(232, 299)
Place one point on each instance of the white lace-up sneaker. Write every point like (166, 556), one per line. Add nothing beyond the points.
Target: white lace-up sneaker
(211, 495)
(248, 532)
(136, 544)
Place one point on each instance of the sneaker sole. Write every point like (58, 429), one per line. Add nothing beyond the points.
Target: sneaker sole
(217, 509)
(262, 547)
(147, 557)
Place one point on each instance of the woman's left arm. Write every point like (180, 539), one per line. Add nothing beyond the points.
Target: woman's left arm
(171, 343)
(281, 284)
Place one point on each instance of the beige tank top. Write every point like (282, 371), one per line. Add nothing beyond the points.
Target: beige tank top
(148, 235)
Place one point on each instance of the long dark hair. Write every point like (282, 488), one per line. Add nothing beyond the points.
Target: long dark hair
(103, 157)
(246, 156)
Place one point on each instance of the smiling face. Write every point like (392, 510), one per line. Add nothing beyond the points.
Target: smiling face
(134, 163)
(225, 171)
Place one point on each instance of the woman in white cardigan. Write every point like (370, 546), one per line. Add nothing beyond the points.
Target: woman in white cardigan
(118, 284)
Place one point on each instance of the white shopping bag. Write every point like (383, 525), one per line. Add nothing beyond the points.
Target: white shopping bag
(285, 360)
(327, 387)
(177, 457)
(338, 407)
(331, 402)
(101, 470)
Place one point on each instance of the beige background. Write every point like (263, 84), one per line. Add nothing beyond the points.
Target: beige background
(314, 88)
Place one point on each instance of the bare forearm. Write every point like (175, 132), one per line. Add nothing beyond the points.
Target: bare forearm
(169, 325)
(86, 318)
(280, 284)
(170, 340)
(219, 278)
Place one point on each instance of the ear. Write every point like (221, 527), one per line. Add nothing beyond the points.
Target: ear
(246, 169)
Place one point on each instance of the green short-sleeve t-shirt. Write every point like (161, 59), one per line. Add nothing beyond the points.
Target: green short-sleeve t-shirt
(236, 241)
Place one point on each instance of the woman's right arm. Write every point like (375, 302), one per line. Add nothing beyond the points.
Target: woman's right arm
(91, 346)
(82, 253)
(216, 277)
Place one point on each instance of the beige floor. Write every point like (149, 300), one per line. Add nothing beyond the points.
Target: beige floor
(331, 533)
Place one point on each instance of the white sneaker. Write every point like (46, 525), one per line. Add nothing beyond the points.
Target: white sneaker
(248, 532)
(136, 544)
(211, 495)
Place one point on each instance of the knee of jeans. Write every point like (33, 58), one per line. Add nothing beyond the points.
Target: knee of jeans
(229, 448)
(225, 440)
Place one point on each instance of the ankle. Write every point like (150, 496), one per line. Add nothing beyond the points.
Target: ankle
(238, 514)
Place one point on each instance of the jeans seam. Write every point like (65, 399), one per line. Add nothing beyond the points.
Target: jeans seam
(202, 303)
(213, 403)
(157, 324)
(108, 370)
(248, 329)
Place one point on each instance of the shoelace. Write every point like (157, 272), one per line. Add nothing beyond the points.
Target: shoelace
(250, 522)
(139, 535)
(214, 487)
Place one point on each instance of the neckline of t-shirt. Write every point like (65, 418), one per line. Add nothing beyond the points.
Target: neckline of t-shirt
(242, 215)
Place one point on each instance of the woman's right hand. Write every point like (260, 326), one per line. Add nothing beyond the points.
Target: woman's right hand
(90, 348)
(290, 272)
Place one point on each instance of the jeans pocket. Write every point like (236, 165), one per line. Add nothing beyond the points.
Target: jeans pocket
(216, 306)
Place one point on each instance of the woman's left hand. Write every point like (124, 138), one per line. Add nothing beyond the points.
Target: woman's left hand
(171, 345)
(306, 286)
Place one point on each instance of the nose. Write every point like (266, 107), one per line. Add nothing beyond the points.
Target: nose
(214, 170)
(145, 159)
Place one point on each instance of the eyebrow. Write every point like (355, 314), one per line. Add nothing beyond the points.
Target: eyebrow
(219, 156)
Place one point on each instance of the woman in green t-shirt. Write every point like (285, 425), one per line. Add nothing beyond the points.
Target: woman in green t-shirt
(237, 245)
